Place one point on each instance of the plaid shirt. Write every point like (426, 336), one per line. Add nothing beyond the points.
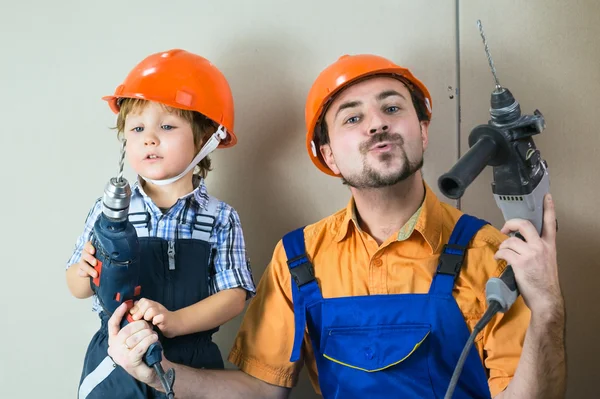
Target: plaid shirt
(230, 266)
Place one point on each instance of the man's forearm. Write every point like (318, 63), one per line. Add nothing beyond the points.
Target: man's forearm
(193, 383)
(541, 372)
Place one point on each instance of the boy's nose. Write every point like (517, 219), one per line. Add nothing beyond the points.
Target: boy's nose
(150, 138)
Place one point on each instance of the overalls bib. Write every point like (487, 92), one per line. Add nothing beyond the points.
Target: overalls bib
(175, 273)
(387, 346)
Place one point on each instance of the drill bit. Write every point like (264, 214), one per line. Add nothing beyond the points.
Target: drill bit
(488, 54)
(121, 161)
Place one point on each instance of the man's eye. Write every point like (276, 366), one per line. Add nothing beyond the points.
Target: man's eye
(392, 109)
(353, 119)
(167, 127)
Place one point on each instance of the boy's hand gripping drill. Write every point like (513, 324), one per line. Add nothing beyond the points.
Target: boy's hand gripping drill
(118, 264)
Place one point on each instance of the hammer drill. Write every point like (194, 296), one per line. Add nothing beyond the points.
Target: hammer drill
(520, 183)
(118, 263)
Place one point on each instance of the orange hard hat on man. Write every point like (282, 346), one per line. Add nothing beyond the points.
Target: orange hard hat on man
(346, 70)
(180, 79)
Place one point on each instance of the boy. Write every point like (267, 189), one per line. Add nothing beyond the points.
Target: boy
(173, 108)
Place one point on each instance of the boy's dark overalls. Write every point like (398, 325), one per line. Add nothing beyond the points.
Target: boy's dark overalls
(175, 273)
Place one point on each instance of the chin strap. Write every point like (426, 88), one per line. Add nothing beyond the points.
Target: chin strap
(206, 149)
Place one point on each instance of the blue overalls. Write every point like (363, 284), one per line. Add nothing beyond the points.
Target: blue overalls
(387, 346)
(175, 274)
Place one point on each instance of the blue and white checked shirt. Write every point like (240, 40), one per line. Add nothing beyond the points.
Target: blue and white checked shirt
(230, 266)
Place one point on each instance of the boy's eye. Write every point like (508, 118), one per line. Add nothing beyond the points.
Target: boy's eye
(167, 127)
(138, 129)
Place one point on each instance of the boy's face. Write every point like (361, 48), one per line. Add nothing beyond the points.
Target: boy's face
(160, 144)
(375, 137)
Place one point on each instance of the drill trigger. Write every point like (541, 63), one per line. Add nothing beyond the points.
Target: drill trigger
(129, 317)
(98, 269)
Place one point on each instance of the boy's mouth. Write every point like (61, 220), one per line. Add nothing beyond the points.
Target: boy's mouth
(152, 157)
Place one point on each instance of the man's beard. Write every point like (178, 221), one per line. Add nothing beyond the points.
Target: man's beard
(371, 178)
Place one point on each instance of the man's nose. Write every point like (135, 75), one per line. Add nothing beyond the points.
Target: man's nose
(378, 125)
(378, 122)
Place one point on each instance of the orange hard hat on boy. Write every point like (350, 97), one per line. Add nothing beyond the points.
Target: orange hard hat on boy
(180, 79)
(346, 70)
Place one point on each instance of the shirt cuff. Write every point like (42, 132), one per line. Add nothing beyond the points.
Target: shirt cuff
(261, 371)
(234, 278)
(498, 384)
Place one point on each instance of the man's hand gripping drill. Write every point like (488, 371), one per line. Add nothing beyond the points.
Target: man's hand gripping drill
(520, 187)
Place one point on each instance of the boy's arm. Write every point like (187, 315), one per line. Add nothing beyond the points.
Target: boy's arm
(79, 266)
(79, 284)
(230, 263)
(207, 314)
(231, 284)
(211, 312)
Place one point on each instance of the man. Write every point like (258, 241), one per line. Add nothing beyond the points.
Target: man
(368, 297)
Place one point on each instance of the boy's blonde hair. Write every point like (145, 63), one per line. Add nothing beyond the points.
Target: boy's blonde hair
(202, 127)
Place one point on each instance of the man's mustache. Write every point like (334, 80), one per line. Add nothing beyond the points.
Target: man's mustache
(379, 138)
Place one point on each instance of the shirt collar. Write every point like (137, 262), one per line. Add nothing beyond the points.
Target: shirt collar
(199, 194)
(427, 220)
(349, 217)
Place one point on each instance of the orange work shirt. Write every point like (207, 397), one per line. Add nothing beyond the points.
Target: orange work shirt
(349, 262)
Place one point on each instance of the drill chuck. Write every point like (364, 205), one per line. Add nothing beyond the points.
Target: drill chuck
(504, 108)
(116, 199)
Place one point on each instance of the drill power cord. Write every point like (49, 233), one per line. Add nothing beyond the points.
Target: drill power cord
(492, 309)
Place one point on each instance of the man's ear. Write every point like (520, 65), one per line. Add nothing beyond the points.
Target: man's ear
(328, 157)
(424, 133)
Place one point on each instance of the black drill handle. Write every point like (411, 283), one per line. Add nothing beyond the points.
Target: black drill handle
(454, 183)
(508, 275)
(154, 354)
(489, 146)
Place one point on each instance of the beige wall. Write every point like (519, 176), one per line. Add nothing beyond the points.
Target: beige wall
(59, 58)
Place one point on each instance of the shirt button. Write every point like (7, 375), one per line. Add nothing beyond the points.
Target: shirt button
(377, 262)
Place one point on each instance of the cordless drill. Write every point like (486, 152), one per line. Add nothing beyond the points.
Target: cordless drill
(118, 264)
(520, 183)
